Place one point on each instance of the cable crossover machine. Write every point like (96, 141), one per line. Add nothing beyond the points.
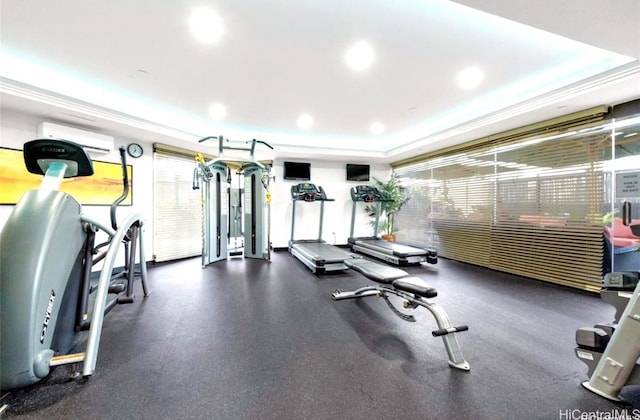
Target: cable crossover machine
(236, 221)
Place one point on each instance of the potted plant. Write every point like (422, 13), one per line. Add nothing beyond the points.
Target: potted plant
(394, 198)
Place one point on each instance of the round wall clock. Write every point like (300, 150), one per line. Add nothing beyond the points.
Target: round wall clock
(134, 150)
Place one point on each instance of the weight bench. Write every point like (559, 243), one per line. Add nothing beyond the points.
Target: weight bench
(415, 292)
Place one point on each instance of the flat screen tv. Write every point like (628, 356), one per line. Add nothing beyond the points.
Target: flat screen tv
(297, 171)
(357, 172)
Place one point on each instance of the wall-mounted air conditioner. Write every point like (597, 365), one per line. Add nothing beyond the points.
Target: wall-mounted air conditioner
(93, 143)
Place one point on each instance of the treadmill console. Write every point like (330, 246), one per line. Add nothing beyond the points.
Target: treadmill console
(365, 193)
(307, 191)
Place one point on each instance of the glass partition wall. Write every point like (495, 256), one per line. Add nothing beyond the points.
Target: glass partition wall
(544, 206)
(623, 184)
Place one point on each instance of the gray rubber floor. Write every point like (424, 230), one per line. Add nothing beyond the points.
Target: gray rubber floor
(247, 339)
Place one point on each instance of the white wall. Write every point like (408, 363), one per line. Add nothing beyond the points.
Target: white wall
(331, 175)
(17, 128)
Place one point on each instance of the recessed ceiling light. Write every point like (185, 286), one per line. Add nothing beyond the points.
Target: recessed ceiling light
(205, 25)
(305, 121)
(376, 128)
(470, 78)
(359, 56)
(217, 111)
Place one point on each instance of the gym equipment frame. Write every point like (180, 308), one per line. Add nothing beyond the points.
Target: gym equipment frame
(611, 351)
(216, 177)
(391, 252)
(319, 256)
(415, 293)
(47, 252)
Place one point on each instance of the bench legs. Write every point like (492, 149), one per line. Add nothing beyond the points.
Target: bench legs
(446, 330)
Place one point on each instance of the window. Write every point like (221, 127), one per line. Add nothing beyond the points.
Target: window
(530, 204)
(177, 207)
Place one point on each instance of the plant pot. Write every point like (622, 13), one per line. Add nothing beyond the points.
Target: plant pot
(390, 238)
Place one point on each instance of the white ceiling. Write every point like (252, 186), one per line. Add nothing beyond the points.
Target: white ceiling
(132, 67)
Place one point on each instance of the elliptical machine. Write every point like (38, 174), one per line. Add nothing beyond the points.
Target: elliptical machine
(47, 251)
(611, 350)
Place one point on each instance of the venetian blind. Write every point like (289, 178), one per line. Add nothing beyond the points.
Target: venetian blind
(528, 204)
(177, 207)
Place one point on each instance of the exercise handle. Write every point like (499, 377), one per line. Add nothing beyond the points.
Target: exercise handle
(263, 142)
(208, 138)
(626, 213)
(445, 331)
(125, 189)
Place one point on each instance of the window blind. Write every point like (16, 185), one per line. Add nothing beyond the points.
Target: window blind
(529, 204)
(177, 207)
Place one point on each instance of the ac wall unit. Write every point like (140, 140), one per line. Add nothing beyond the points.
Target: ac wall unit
(93, 143)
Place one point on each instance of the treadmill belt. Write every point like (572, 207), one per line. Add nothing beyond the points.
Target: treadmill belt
(329, 253)
(391, 247)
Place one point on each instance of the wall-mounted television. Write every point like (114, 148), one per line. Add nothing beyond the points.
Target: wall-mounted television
(356, 172)
(297, 171)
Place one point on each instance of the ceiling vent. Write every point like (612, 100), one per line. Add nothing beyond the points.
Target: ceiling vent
(93, 143)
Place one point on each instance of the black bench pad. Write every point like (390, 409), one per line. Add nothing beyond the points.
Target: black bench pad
(374, 271)
(416, 286)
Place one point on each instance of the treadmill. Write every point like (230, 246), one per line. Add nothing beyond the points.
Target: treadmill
(316, 254)
(391, 252)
